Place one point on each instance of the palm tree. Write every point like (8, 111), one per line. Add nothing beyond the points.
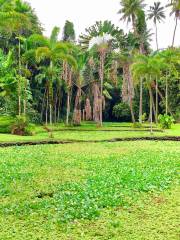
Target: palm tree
(157, 14)
(169, 57)
(102, 46)
(175, 5)
(148, 68)
(53, 52)
(80, 82)
(126, 61)
(129, 10)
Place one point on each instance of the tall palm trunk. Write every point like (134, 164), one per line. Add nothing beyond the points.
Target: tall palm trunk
(25, 97)
(151, 108)
(140, 101)
(128, 89)
(47, 105)
(166, 93)
(51, 96)
(69, 82)
(25, 94)
(101, 73)
(77, 108)
(134, 24)
(156, 36)
(68, 107)
(174, 34)
(19, 78)
(131, 109)
(157, 110)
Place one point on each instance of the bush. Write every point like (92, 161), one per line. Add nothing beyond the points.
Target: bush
(166, 121)
(5, 124)
(22, 127)
(137, 125)
(122, 112)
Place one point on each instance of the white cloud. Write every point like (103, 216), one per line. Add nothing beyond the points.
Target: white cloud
(84, 13)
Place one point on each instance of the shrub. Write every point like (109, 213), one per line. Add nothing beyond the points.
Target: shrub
(5, 123)
(22, 127)
(137, 125)
(122, 111)
(166, 121)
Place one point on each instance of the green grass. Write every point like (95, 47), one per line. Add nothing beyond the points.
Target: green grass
(89, 131)
(90, 191)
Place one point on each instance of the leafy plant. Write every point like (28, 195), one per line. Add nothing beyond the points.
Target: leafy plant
(22, 127)
(121, 111)
(166, 121)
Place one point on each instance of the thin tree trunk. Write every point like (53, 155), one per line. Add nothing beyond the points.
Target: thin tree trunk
(151, 105)
(55, 108)
(140, 101)
(68, 107)
(47, 104)
(164, 100)
(51, 97)
(25, 96)
(43, 104)
(50, 113)
(156, 36)
(101, 71)
(174, 34)
(131, 109)
(166, 93)
(19, 78)
(157, 110)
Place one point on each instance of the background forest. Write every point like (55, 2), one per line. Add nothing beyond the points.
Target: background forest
(106, 75)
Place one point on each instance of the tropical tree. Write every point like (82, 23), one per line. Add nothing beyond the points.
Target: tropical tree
(129, 11)
(157, 14)
(126, 60)
(53, 52)
(80, 82)
(148, 68)
(175, 10)
(69, 32)
(7, 74)
(170, 57)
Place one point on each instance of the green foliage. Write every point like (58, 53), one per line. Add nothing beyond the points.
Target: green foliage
(137, 125)
(22, 127)
(121, 111)
(69, 32)
(98, 182)
(166, 121)
(5, 124)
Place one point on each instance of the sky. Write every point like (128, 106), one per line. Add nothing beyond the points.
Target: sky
(84, 13)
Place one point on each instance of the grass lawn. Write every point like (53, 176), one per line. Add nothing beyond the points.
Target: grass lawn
(120, 190)
(89, 131)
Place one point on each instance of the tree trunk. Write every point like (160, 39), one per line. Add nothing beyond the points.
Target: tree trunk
(96, 104)
(156, 36)
(131, 109)
(166, 93)
(151, 120)
(164, 100)
(140, 101)
(69, 84)
(47, 104)
(25, 97)
(19, 78)
(68, 107)
(174, 34)
(77, 108)
(128, 89)
(101, 73)
(157, 110)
